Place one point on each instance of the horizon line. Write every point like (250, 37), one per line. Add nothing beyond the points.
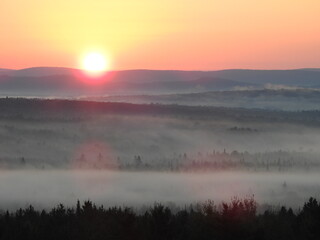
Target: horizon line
(181, 70)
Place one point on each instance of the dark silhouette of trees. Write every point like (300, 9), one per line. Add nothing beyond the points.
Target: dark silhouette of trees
(237, 219)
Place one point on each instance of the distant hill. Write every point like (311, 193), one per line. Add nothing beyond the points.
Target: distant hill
(5, 71)
(42, 72)
(43, 81)
(299, 77)
(310, 69)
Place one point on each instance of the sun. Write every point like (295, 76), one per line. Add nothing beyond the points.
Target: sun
(95, 63)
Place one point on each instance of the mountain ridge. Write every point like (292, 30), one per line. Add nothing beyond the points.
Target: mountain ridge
(73, 81)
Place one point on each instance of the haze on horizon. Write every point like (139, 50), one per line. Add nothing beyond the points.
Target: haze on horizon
(186, 35)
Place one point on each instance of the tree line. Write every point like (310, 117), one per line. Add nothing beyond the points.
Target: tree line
(280, 161)
(237, 219)
(80, 110)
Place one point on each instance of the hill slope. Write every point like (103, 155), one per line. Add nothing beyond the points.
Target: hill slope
(73, 82)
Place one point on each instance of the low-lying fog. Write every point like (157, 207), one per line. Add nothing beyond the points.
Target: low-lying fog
(45, 189)
(56, 143)
(147, 154)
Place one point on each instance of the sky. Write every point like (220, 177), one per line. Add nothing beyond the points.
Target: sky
(166, 34)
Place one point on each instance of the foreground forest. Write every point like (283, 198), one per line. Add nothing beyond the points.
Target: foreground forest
(237, 219)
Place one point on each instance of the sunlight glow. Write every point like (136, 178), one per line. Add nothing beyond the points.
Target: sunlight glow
(95, 62)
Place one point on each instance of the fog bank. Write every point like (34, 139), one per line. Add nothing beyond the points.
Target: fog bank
(45, 189)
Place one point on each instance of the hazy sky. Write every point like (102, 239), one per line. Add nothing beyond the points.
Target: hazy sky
(166, 34)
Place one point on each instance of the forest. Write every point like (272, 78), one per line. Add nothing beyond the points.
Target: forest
(54, 151)
(159, 120)
(237, 219)
(70, 134)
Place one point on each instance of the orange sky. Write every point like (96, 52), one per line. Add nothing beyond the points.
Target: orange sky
(166, 34)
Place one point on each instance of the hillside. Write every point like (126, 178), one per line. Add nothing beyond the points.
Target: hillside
(65, 82)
